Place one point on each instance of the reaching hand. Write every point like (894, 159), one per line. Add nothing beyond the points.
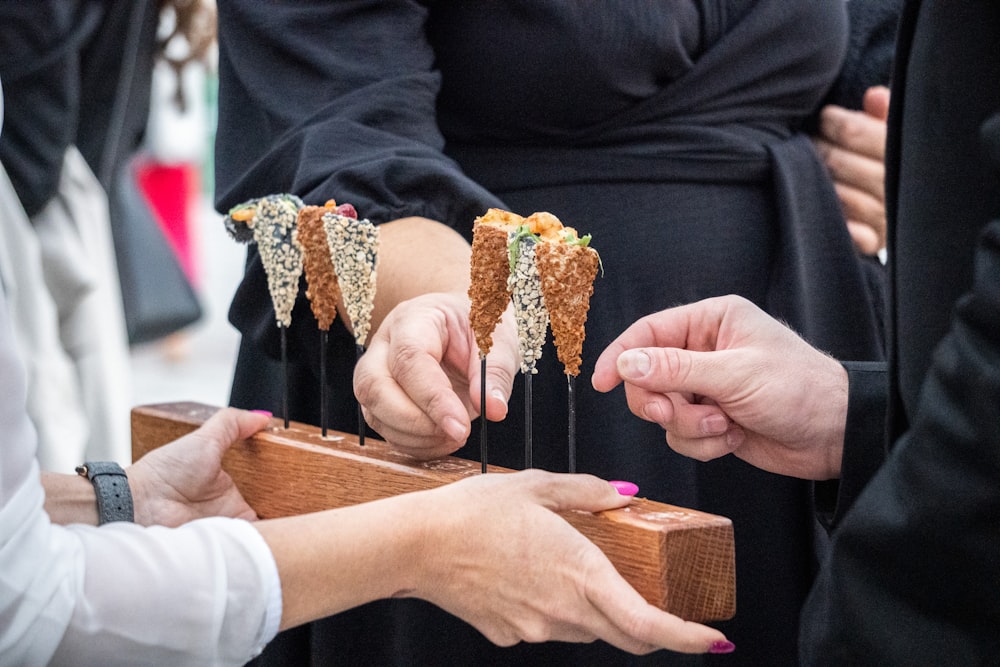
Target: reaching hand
(418, 382)
(721, 376)
(852, 144)
(184, 479)
(536, 578)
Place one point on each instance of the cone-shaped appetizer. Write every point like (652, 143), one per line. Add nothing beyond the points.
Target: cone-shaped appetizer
(490, 269)
(529, 306)
(270, 222)
(322, 287)
(353, 246)
(567, 267)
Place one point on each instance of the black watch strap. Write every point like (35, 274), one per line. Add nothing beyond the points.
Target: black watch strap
(114, 497)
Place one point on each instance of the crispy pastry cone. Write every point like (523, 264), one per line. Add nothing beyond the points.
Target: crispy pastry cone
(322, 287)
(490, 268)
(567, 269)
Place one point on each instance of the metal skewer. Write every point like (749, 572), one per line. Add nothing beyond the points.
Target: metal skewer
(360, 349)
(527, 420)
(571, 426)
(323, 417)
(482, 412)
(284, 368)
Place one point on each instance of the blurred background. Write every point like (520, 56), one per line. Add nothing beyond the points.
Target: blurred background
(196, 362)
(116, 270)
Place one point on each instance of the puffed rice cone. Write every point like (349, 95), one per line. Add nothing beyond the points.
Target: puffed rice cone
(488, 290)
(322, 288)
(567, 274)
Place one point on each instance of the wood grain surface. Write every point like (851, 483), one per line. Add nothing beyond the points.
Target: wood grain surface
(679, 559)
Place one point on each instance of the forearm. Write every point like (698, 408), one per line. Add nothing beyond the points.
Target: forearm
(331, 561)
(69, 499)
(418, 256)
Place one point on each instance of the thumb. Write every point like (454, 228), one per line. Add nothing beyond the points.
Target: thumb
(502, 365)
(587, 493)
(230, 425)
(671, 369)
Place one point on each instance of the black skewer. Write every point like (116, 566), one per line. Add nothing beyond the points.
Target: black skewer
(482, 413)
(527, 420)
(284, 367)
(571, 426)
(360, 349)
(323, 418)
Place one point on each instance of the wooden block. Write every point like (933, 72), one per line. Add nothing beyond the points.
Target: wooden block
(680, 560)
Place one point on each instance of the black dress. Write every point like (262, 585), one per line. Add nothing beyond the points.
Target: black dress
(669, 131)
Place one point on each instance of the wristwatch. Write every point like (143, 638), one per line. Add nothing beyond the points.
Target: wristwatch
(114, 497)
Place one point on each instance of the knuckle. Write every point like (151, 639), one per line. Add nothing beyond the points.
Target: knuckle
(672, 363)
(364, 388)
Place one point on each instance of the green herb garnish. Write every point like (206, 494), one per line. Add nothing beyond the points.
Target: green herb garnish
(514, 247)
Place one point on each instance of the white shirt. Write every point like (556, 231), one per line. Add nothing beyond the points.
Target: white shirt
(206, 593)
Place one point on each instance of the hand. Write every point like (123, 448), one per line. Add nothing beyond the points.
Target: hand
(852, 143)
(184, 479)
(721, 376)
(500, 558)
(418, 382)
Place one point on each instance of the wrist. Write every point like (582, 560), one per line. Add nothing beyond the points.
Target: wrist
(140, 504)
(111, 488)
(69, 499)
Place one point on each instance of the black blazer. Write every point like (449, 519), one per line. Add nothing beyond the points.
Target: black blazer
(914, 572)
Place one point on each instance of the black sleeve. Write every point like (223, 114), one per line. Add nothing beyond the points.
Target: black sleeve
(330, 100)
(335, 100)
(40, 45)
(864, 440)
(914, 569)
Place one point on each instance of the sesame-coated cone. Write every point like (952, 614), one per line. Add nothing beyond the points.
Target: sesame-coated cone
(274, 230)
(354, 248)
(322, 288)
(567, 274)
(529, 306)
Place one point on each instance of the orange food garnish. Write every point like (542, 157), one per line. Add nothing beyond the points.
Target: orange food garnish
(244, 214)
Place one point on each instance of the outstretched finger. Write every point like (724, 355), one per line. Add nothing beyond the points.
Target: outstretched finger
(668, 369)
(230, 425)
(694, 326)
(502, 364)
(632, 624)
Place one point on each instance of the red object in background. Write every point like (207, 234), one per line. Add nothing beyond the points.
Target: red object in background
(171, 190)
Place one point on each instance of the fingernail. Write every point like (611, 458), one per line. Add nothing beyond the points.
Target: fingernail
(499, 395)
(625, 488)
(735, 437)
(654, 412)
(263, 412)
(453, 429)
(722, 647)
(714, 425)
(633, 364)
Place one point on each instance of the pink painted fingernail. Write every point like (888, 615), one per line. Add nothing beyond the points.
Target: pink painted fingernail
(263, 412)
(625, 488)
(722, 647)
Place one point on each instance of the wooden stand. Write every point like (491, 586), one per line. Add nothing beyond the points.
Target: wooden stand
(680, 560)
